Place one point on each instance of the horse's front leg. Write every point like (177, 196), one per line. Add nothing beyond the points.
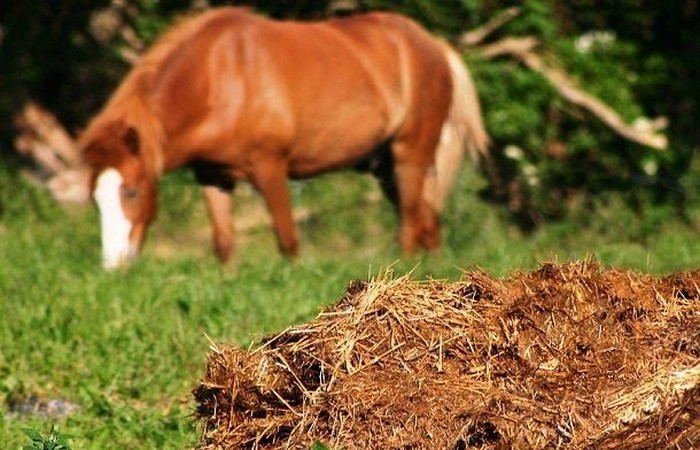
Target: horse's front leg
(270, 178)
(219, 205)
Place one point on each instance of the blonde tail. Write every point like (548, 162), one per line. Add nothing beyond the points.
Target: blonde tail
(464, 128)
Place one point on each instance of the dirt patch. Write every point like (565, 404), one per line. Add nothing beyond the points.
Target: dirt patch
(568, 356)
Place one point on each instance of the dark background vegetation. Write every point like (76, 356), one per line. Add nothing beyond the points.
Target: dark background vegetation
(649, 68)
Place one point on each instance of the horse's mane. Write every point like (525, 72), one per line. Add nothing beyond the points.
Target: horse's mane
(130, 104)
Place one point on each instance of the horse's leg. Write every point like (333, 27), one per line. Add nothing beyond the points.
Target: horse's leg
(217, 186)
(270, 178)
(219, 204)
(430, 228)
(430, 223)
(419, 222)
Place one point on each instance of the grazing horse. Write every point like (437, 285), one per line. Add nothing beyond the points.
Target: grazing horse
(236, 96)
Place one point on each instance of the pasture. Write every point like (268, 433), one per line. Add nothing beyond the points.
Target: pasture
(124, 349)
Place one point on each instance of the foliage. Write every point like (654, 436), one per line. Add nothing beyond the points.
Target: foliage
(47, 54)
(55, 440)
(558, 152)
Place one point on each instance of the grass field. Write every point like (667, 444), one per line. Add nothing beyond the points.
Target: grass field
(126, 348)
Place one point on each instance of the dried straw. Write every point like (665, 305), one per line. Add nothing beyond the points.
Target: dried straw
(569, 356)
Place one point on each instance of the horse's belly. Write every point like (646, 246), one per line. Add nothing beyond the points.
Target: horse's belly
(336, 146)
(310, 165)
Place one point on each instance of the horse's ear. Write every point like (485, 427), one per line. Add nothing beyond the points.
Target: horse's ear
(131, 139)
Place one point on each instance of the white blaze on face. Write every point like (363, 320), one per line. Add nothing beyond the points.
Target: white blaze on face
(116, 228)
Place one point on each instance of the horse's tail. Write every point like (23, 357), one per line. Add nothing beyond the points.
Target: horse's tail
(464, 128)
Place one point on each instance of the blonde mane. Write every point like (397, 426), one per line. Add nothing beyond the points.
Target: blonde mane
(130, 103)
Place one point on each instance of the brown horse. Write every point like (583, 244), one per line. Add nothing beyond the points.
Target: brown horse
(236, 96)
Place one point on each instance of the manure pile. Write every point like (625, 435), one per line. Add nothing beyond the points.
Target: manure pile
(569, 356)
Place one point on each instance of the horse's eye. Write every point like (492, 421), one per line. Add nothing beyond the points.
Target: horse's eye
(130, 193)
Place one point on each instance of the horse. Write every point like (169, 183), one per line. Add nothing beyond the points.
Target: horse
(239, 97)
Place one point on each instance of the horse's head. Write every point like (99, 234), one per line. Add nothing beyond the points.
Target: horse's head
(123, 189)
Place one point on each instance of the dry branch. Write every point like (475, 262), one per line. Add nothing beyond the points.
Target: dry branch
(58, 164)
(477, 35)
(523, 50)
(108, 23)
(43, 135)
(644, 131)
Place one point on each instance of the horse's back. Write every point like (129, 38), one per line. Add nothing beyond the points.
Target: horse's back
(364, 80)
(326, 93)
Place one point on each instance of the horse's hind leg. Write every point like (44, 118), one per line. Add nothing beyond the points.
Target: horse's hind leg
(270, 178)
(384, 171)
(219, 204)
(430, 226)
(419, 222)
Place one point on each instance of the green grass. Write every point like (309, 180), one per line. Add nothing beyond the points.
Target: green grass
(128, 347)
